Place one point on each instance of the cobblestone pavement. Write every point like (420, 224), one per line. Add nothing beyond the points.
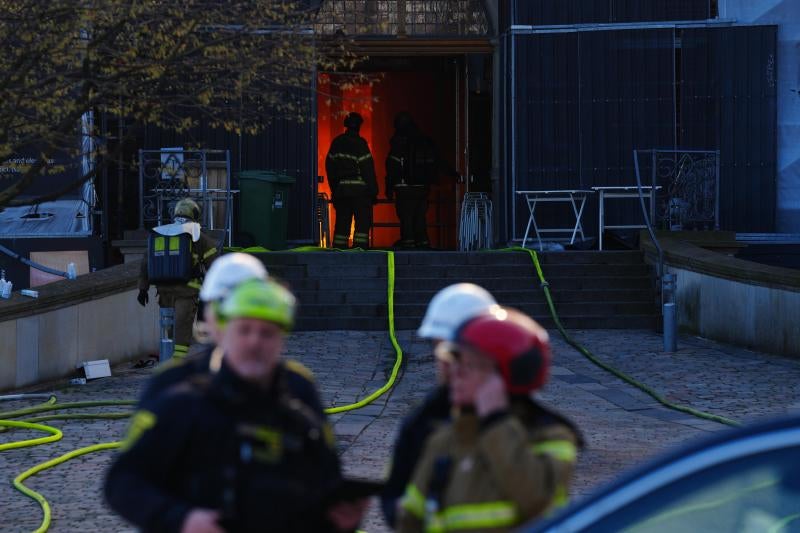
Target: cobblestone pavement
(622, 426)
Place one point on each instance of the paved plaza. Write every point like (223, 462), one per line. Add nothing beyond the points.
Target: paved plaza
(621, 425)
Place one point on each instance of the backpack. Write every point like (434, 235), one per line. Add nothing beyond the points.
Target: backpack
(169, 258)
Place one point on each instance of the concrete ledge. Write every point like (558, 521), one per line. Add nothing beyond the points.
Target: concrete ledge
(68, 292)
(688, 255)
(732, 300)
(93, 317)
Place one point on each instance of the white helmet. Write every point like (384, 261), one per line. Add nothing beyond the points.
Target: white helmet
(227, 272)
(451, 307)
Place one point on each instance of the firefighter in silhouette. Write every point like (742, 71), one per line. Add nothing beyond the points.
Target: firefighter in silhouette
(411, 168)
(178, 255)
(351, 175)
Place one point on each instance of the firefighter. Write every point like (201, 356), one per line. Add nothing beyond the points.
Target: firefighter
(177, 258)
(504, 459)
(411, 168)
(224, 275)
(351, 175)
(448, 309)
(246, 447)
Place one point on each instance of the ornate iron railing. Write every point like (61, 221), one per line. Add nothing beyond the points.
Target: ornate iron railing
(168, 175)
(688, 197)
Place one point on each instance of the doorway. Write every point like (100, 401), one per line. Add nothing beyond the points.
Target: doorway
(436, 91)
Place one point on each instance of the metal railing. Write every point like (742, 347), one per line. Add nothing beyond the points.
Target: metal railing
(475, 224)
(168, 175)
(688, 198)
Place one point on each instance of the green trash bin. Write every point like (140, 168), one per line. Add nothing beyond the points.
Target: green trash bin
(264, 207)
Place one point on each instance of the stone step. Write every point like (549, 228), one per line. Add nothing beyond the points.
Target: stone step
(528, 282)
(536, 295)
(417, 311)
(517, 258)
(275, 259)
(593, 257)
(406, 323)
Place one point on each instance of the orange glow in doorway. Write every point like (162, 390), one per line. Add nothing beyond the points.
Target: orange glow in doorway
(378, 104)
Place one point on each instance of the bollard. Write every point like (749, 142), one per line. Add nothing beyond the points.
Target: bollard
(167, 347)
(669, 312)
(670, 328)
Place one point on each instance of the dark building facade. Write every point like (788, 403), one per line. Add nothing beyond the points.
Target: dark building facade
(537, 94)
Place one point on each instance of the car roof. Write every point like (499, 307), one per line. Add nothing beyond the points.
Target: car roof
(671, 456)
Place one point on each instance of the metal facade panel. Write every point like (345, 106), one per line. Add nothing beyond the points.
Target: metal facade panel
(546, 154)
(729, 102)
(556, 12)
(583, 103)
(659, 10)
(627, 103)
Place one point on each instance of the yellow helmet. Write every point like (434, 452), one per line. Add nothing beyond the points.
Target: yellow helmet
(188, 208)
(261, 299)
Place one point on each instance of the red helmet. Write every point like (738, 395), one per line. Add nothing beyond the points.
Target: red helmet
(518, 345)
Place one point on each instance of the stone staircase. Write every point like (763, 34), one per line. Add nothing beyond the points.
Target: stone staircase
(612, 289)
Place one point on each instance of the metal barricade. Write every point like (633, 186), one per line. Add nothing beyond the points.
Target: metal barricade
(475, 224)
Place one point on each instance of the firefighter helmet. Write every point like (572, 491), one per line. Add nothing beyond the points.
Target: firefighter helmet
(518, 345)
(261, 299)
(353, 121)
(227, 272)
(187, 208)
(450, 307)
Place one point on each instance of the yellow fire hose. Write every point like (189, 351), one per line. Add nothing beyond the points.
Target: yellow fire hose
(56, 434)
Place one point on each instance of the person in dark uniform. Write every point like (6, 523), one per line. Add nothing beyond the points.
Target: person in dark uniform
(351, 175)
(224, 275)
(181, 294)
(411, 168)
(245, 447)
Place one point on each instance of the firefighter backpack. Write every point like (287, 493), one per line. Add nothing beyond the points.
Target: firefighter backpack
(169, 258)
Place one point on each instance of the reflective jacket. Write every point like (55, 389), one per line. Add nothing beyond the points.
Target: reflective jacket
(264, 459)
(350, 168)
(433, 413)
(412, 161)
(491, 475)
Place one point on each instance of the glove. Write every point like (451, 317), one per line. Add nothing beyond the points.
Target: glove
(143, 297)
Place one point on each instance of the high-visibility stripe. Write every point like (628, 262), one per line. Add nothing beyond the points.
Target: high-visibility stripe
(561, 450)
(141, 422)
(352, 182)
(194, 284)
(474, 516)
(413, 501)
(209, 253)
(180, 351)
(174, 245)
(560, 499)
(355, 158)
(398, 159)
(159, 244)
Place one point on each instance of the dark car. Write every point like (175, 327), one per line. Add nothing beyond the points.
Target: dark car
(745, 480)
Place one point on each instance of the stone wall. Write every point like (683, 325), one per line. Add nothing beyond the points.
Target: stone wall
(93, 317)
(732, 300)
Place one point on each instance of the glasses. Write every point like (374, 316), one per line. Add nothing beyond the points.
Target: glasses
(461, 361)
